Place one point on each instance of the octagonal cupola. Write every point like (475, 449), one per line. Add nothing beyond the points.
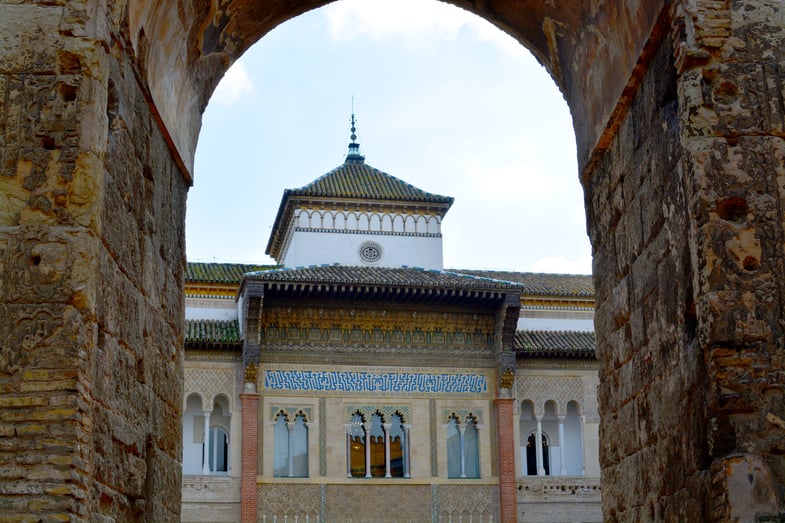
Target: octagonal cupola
(358, 215)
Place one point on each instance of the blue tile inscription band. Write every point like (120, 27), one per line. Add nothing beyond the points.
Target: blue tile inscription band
(372, 382)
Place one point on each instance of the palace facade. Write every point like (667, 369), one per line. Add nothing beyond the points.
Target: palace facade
(358, 380)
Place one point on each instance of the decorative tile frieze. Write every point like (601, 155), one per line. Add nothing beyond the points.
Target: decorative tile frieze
(375, 382)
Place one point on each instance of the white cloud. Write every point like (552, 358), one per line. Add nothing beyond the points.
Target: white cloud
(379, 19)
(233, 86)
(383, 18)
(560, 264)
(518, 182)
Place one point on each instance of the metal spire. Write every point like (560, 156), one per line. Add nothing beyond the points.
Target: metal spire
(354, 147)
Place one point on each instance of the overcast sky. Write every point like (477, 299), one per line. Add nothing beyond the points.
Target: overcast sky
(443, 100)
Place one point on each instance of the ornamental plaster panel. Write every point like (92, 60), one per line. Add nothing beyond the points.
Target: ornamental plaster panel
(287, 501)
(387, 411)
(374, 503)
(322, 437)
(468, 502)
(209, 383)
(463, 415)
(290, 412)
(539, 389)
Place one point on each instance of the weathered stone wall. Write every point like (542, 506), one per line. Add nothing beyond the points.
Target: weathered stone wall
(686, 222)
(680, 130)
(91, 270)
(731, 91)
(652, 378)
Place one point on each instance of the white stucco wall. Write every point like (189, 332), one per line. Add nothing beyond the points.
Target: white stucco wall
(556, 320)
(210, 309)
(555, 324)
(319, 248)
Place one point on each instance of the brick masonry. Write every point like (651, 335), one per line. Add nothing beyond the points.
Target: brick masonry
(678, 111)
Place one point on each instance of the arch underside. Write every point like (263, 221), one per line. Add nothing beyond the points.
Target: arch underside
(591, 49)
(679, 119)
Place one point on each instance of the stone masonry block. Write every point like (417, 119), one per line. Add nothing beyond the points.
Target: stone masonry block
(42, 264)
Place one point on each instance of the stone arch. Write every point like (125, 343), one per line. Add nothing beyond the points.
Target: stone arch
(192, 394)
(665, 98)
(590, 50)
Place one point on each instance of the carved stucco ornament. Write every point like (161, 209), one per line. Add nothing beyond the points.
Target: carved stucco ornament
(251, 372)
(506, 381)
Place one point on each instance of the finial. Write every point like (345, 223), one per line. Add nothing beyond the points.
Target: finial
(354, 155)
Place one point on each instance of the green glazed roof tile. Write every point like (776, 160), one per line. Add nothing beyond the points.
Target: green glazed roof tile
(404, 276)
(573, 285)
(581, 344)
(220, 272)
(355, 179)
(212, 332)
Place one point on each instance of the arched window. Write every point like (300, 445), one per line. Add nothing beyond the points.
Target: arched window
(573, 440)
(377, 448)
(471, 449)
(397, 436)
(290, 458)
(219, 450)
(193, 435)
(531, 455)
(463, 452)
(356, 446)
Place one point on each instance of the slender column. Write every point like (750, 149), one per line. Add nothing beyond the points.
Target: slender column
(229, 448)
(367, 426)
(506, 459)
(206, 454)
(580, 437)
(538, 447)
(290, 449)
(249, 457)
(563, 468)
(387, 427)
(348, 427)
(461, 432)
(407, 456)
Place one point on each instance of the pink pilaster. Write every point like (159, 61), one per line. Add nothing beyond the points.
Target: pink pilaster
(249, 457)
(506, 441)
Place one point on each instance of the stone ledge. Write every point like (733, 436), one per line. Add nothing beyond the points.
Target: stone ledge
(211, 489)
(554, 489)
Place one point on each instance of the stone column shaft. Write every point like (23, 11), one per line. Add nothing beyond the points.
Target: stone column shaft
(367, 426)
(538, 448)
(563, 467)
(387, 427)
(206, 446)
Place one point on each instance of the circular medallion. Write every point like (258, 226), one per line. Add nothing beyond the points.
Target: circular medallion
(370, 252)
